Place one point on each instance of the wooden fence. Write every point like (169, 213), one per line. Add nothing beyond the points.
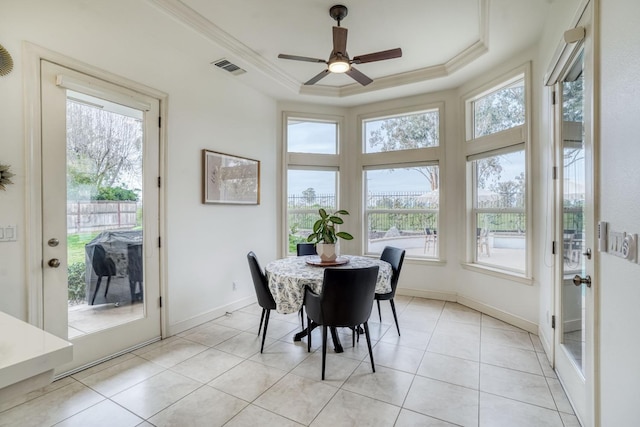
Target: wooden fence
(87, 216)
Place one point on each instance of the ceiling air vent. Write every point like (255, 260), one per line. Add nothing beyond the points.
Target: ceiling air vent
(228, 66)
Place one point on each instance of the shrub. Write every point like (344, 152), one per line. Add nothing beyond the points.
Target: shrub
(76, 273)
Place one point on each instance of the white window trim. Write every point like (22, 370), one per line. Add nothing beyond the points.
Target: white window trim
(494, 144)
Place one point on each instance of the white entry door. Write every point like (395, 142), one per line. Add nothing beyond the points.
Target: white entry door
(576, 283)
(100, 214)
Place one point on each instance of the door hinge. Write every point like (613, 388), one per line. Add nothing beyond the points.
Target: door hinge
(553, 322)
(554, 172)
(160, 301)
(159, 181)
(159, 242)
(553, 247)
(160, 121)
(553, 97)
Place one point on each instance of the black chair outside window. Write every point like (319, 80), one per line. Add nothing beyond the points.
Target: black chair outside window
(306, 249)
(265, 299)
(104, 267)
(395, 257)
(134, 271)
(346, 301)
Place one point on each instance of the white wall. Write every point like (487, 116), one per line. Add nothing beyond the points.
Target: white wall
(619, 283)
(206, 245)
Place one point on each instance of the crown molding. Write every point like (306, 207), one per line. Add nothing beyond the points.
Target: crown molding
(199, 23)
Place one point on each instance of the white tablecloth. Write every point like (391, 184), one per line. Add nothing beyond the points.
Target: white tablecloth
(288, 278)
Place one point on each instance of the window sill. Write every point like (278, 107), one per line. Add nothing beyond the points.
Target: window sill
(502, 274)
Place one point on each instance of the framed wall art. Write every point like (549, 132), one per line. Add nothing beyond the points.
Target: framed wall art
(230, 179)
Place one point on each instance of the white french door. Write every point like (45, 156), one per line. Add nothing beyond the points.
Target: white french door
(576, 281)
(100, 214)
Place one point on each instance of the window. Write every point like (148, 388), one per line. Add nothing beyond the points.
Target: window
(311, 146)
(401, 182)
(402, 209)
(317, 137)
(497, 176)
(500, 110)
(308, 191)
(406, 132)
(499, 210)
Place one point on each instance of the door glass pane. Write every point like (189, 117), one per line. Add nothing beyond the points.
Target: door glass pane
(104, 214)
(573, 184)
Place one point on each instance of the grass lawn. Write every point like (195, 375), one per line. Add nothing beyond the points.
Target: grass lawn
(75, 246)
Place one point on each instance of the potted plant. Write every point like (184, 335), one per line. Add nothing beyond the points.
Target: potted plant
(325, 235)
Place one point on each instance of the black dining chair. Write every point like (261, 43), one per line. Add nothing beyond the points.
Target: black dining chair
(346, 300)
(395, 257)
(265, 299)
(104, 267)
(303, 249)
(134, 271)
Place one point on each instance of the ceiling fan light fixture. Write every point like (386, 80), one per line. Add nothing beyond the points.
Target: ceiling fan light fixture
(339, 65)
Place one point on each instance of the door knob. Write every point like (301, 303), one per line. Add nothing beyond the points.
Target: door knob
(54, 262)
(577, 280)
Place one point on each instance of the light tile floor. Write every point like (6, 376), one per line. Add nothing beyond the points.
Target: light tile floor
(451, 366)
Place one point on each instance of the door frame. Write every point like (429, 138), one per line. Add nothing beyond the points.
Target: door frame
(587, 15)
(32, 55)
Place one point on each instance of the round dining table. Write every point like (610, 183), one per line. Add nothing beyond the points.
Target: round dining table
(288, 278)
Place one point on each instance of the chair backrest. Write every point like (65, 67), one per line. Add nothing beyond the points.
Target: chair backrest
(102, 265)
(306, 249)
(347, 296)
(134, 262)
(395, 257)
(265, 299)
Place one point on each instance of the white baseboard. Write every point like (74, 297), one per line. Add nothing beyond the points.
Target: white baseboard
(509, 318)
(194, 321)
(437, 295)
(471, 303)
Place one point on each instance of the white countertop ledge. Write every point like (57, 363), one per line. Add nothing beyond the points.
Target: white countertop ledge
(28, 356)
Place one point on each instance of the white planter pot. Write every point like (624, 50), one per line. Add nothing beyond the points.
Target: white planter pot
(327, 251)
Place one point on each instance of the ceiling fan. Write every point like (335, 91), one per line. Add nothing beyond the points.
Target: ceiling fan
(339, 61)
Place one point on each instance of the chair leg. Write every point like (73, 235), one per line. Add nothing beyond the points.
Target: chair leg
(309, 335)
(264, 310)
(379, 314)
(353, 337)
(393, 309)
(107, 288)
(366, 333)
(97, 289)
(324, 349)
(264, 331)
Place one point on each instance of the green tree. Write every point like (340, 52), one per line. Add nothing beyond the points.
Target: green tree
(309, 196)
(102, 146)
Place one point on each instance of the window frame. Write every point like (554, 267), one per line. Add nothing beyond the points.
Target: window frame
(308, 161)
(506, 141)
(426, 156)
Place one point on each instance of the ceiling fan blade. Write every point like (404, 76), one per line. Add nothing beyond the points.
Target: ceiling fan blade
(377, 56)
(358, 76)
(340, 40)
(317, 77)
(301, 58)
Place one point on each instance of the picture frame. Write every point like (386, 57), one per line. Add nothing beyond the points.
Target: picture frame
(229, 179)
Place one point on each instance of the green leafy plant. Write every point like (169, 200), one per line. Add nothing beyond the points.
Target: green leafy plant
(324, 229)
